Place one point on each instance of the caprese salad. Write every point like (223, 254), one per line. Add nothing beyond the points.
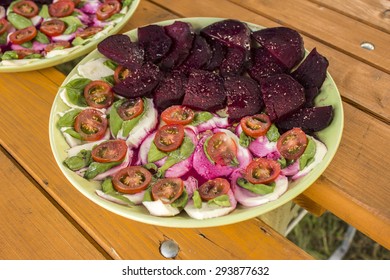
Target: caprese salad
(171, 124)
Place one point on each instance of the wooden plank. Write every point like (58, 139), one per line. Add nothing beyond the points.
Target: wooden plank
(371, 12)
(120, 237)
(327, 26)
(360, 84)
(31, 226)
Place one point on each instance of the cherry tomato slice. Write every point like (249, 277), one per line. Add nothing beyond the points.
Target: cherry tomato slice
(110, 151)
(213, 188)
(53, 27)
(262, 171)
(222, 149)
(108, 9)
(131, 108)
(132, 179)
(121, 73)
(178, 115)
(23, 35)
(167, 190)
(59, 45)
(24, 52)
(27, 9)
(76, 2)
(4, 24)
(61, 9)
(256, 126)
(292, 143)
(169, 137)
(89, 31)
(98, 94)
(91, 125)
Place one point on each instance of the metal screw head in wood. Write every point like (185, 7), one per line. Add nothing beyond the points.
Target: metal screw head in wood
(169, 249)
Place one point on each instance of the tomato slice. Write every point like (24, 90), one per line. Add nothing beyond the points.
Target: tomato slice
(131, 108)
(53, 27)
(292, 143)
(4, 24)
(222, 149)
(108, 9)
(262, 171)
(90, 124)
(27, 9)
(110, 151)
(178, 115)
(89, 31)
(132, 179)
(23, 35)
(24, 52)
(167, 190)
(213, 188)
(57, 45)
(121, 73)
(169, 137)
(98, 94)
(256, 126)
(76, 2)
(61, 9)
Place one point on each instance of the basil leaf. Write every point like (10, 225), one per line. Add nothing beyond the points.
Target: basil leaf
(155, 154)
(73, 23)
(126, 3)
(205, 150)
(78, 41)
(107, 185)
(130, 124)
(108, 188)
(27, 45)
(67, 120)
(44, 12)
(96, 168)
(110, 64)
(308, 154)
(9, 55)
(114, 17)
(183, 152)
(73, 133)
(18, 21)
(148, 195)
(283, 162)
(81, 160)
(181, 201)
(75, 91)
(151, 167)
(273, 133)
(42, 38)
(34, 55)
(245, 140)
(201, 117)
(256, 188)
(222, 200)
(197, 200)
(3, 38)
(109, 79)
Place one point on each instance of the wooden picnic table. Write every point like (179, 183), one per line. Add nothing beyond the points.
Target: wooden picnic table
(44, 217)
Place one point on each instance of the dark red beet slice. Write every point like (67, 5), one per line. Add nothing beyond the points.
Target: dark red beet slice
(204, 91)
(218, 54)
(234, 62)
(312, 71)
(182, 37)
(140, 83)
(154, 41)
(231, 33)
(310, 95)
(170, 91)
(264, 65)
(309, 119)
(199, 56)
(283, 43)
(243, 97)
(282, 95)
(120, 49)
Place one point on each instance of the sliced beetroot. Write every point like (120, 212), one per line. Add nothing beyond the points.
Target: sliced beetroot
(182, 37)
(264, 65)
(234, 62)
(204, 91)
(170, 91)
(154, 41)
(282, 95)
(218, 54)
(309, 119)
(121, 50)
(283, 43)
(312, 71)
(231, 33)
(141, 82)
(310, 95)
(199, 56)
(243, 97)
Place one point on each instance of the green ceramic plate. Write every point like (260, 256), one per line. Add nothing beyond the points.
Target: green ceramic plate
(330, 136)
(77, 52)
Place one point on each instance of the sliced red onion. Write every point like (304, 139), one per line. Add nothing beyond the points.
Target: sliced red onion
(112, 171)
(135, 198)
(63, 37)
(179, 169)
(83, 17)
(250, 199)
(36, 20)
(90, 7)
(261, 147)
(291, 170)
(210, 211)
(38, 47)
(215, 122)
(191, 185)
(144, 149)
(157, 208)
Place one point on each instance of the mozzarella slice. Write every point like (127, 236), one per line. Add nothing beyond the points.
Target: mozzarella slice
(157, 208)
(95, 69)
